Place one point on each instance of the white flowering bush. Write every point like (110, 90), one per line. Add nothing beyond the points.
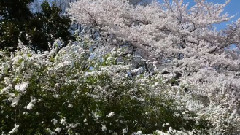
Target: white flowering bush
(68, 91)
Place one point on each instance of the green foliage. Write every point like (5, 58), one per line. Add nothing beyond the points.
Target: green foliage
(47, 26)
(15, 10)
(35, 29)
(133, 110)
(9, 34)
(14, 15)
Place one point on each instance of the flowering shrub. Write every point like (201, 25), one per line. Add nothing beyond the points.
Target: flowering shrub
(67, 91)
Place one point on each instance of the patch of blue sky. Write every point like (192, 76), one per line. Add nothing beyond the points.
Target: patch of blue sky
(91, 68)
(92, 56)
(233, 9)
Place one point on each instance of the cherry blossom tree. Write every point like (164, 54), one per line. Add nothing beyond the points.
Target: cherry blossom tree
(183, 38)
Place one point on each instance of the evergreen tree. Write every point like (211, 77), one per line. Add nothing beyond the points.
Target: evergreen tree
(14, 17)
(48, 25)
(33, 29)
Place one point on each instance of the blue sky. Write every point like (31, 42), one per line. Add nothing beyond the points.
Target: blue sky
(233, 8)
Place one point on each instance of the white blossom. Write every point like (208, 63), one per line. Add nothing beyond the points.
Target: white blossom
(104, 128)
(31, 104)
(14, 130)
(15, 100)
(111, 114)
(22, 86)
(58, 130)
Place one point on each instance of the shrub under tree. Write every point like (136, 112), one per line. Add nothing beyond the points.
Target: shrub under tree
(72, 93)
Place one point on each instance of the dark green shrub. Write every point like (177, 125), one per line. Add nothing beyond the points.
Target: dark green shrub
(38, 30)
